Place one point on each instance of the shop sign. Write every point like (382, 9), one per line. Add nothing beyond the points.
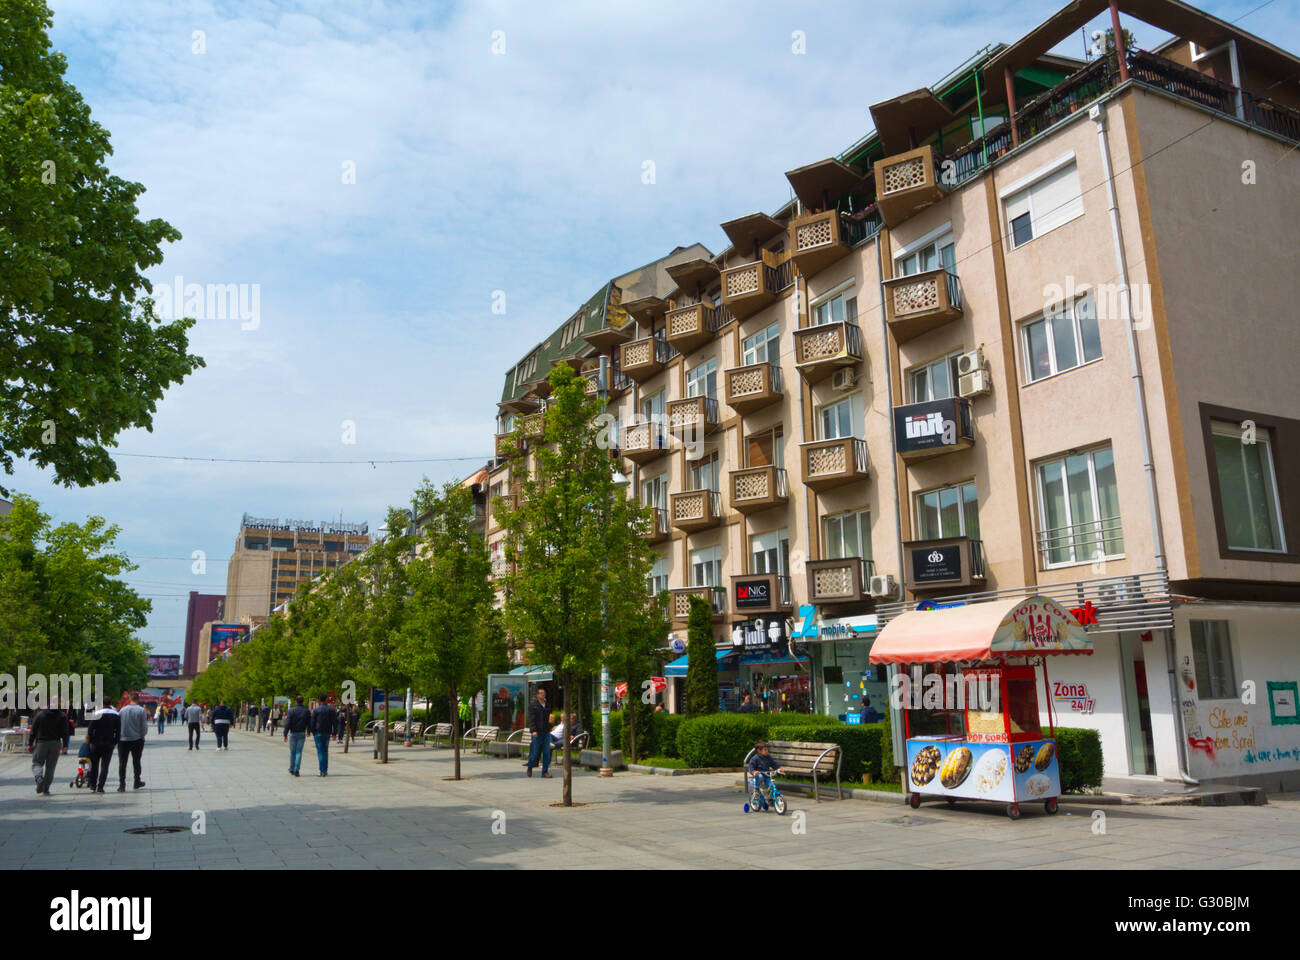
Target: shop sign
(935, 564)
(847, 628)
(929, 425)
(1072, 696)
(753, 593)
(758, 636)
(1086, 614)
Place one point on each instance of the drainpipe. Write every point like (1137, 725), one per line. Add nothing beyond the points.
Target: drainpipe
(1135, 373)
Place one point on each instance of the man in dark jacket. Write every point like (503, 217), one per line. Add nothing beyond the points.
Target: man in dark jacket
(102, 735)
(539, 725)
(49, 727)
(296, 724)
(222, 718)
(322, 725)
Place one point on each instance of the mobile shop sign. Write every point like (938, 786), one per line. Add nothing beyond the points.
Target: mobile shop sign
(1072, 696)
(753, 593)
(758, 635)
(936, 563)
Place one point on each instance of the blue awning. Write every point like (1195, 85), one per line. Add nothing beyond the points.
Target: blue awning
(678, 667)
(760, 659)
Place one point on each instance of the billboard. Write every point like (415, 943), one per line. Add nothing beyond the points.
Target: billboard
(164, 666)
(225, 636)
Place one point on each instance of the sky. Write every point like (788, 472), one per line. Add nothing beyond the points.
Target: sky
(378, 174)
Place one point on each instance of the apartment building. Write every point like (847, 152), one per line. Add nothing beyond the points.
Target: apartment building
(1032, 335)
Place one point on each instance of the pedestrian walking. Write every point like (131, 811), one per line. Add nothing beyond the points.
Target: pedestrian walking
(265, 719)
(275, 719)
(194, 718)
(69, 729)
(134, 720)
(354, 720)
(102, 733)
(322, 725)
(161, 717)
(539, 725)
(49, 727)
(222, 718)
(296, 724)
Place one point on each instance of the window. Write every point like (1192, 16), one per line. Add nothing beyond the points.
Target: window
(702, 381)
(941, 252)
(1050, 201)
(1062, 339)
(571, 330)
(1212, 655)
(936, 380)
(704, 473)
(658, 576)
(770, 552)
(1247, 488)
(762, 347)
(653, 408)
(706, 567)
(847, 535)
(836, 420)
(948, 512)
(1079, 508)
(654, 492)
(990, 122)
(836, 308)
(765, 449)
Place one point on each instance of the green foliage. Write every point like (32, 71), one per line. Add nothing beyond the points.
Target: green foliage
(1078, 757)
(861, 745)
(888, 771)
(702, 662)
(722, 740)
(63, 608)
(85, 358)
(659, 738)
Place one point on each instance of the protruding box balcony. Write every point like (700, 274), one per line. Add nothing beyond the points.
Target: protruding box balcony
(819, 239)
(759, 593)
(820, 351)
(753, 387)
(759, 488)
(696, 509)
(692, 418)
(920, 302)
(839, 581)
(932, 428)
(832, 463)
(642, 359)
(679, 602)
(751, 287)
(660, 530)
(643, 442)
(618, 384)
(508, 446)
(907, 183)
(610, 337)
(944, 563)
(692, 326)
(533, 426)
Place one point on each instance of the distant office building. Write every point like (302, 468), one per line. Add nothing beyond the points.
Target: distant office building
(273, 556)
(204, 608)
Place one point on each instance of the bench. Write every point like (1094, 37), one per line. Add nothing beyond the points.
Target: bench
(438, 732)
(523, 740)
(399, 729)
(480, 737)
(804, 759)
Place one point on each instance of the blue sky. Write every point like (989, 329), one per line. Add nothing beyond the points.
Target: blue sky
(475, 172)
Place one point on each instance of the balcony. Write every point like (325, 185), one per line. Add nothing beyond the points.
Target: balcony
(508, 446)
(933, 428)
(696, 509)
(759, 593)
(839, 581)
(817, 240)
(906, 184)
(533, 426)
(507, 500)
(643, 442)
(643, 359)
(692, 326)
(693, 417)
(828, 464)
(679, 602)
(610, 337)
(659, 528)
(759, 488)
(918, 303)
(940, 564)
(619, 384)
(752, 287)
(753, 387)
(820, 351)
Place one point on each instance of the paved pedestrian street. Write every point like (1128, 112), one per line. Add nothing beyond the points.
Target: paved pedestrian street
(406, 814)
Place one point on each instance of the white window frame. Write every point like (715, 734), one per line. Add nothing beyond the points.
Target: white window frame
(848, 291)
(1223, 428)
(936, 239)
(961, 511)
(694, 379)
(861, 518)
(694, 468)
(826, 407)
(1044, 552)
(1072, 309)
(946, 359)
(657, 482)
(659, 574)
(781, 550)
(1026, 184)
(710, 559)
(751, 345)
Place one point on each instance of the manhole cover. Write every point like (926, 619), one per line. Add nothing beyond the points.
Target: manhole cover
(149, 830)
(908, 821)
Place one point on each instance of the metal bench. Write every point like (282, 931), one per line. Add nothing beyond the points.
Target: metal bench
(399, 730)
(804, 759)
(480, 737)
(523, 739)
(437, 732)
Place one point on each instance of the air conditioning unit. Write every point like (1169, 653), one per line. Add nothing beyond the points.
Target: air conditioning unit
(975, 384)
(970, 362)
(883, 586)
(844, 379)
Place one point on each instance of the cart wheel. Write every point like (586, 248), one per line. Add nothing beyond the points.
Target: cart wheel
(1013, 811)
(950, 801)
(1052, 805)
(914, 800)
(780, 805)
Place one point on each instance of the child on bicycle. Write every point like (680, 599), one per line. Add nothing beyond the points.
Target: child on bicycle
(761, 767)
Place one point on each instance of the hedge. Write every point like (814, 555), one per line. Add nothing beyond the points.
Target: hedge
(1078, 756)
(659, 741)
(861, 747)
(723, 739)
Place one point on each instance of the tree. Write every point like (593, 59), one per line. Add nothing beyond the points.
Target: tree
(571, 522)
(451, 599)
(701, 661)
(383, 575)
(82, 358)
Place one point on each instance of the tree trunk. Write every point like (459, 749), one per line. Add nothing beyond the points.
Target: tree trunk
(629, 721)
(455, 727)
(384, 747)
(568, 766)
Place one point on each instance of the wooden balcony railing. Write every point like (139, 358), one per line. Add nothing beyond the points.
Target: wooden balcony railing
(833, 463)
(920, 302)
(759, 488)
(820, 351)
(753, 387)
(839, 581)
(643, 359)
(679, 601)
(696, 509)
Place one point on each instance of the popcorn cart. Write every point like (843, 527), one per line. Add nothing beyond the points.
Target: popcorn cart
(970, 701)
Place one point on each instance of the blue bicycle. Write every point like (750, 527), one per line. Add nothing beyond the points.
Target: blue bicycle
(765, 797)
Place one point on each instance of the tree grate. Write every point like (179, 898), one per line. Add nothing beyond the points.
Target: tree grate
(152, 830)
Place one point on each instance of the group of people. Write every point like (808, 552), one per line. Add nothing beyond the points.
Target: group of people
(547, 732)
(324, 723)
(108, 730)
